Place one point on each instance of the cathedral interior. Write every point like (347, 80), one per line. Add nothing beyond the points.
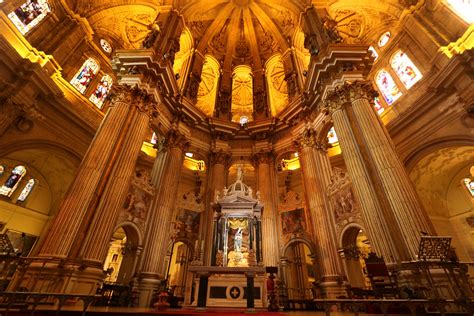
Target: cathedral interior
(236, 153)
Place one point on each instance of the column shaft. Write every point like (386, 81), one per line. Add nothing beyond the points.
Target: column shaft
(82, 191)
(410, 216)
(376, 226)
(8, 113)
(269, 234)
(162, 208)
(101, 228)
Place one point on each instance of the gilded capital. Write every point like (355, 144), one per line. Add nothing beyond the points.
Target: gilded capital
(120, 93)
(309, 139)
(361, 90)
(174, 139)
(220, 158)
(263, 158)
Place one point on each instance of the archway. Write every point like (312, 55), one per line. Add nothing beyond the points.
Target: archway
(299, 272)
(178, 274)
(123, 255)
(355, 247)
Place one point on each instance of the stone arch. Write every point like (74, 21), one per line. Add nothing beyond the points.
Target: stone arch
(308, 243)
(348, 233)
(134, 234)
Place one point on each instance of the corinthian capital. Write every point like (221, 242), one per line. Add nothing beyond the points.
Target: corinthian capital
(174, 139)
(263, 158)
(220, 158)
(309, 139)
(346, 93)
(362, 89)
(144, 101)
(120, 93)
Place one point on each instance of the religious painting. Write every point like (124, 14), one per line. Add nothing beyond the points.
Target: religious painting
(29, 14)
(238, 240)
(342, 202)
(22, 243)
(387, 87)
(293, 222)
(187, 224)
(405, 69)
(102, 90)
(85, 75)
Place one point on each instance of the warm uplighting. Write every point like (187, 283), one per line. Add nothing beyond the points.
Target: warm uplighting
(190, 155)
(194, 164)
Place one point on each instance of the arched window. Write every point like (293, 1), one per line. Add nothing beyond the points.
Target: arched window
(276, 83)
(332, 137)
(405, 69)
(207, 90)
(102, 90)
(154, 139)
(373, 52)
(463, 8)
(384, 38)
(29, 14)
(13, 180)
(242, 93)
(469, 185)
(27, 190)
(378, 105)
(106, 47)
(84, 76)
(387, 87)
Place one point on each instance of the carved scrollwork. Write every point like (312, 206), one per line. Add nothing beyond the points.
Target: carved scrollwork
(263, 158)
(346, 93)
(221, 158)
(174, 139)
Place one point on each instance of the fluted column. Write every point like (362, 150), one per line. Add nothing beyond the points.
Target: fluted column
(93, 173)
(219, 162)
(265, 162)
(316, 170)
(378, 224)
(101, 228)
(411, 218)
(162, 209)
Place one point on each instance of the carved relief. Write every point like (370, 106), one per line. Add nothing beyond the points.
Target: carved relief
(138, 199)
(345, 26)
(186, 224)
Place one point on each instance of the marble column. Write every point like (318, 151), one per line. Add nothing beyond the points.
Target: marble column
(162, 210)
(101, 227)
(93, 173)
(316, 170)
(378, 224)
(219, 163)
(265, 167)
(410, 216)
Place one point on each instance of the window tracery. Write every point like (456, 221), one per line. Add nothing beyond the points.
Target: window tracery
(242, 93)
(102, 90)
(13, 180)
(387, 87)
(405, 69)
(84, 76)
(276, 83)
(106, 47)
(469, 185)
(29, 14)
(207, 91)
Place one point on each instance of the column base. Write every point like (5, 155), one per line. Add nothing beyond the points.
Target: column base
(333, 287)
(147, 290)
(57, 276)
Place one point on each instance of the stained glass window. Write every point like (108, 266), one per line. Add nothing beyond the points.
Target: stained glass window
(105, 46)
(387, 87)
(469, 185)
(27, 190)
(2, 170)
(463, 8)
(102, 90)
(154, 139)
(405, 69)
(84, 76)
(332, 137)
(378, 105)
(373, 52)
(29, 14)
(13, 180)
(383, 40)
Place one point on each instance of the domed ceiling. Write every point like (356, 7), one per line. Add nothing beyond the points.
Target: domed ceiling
(237, 33)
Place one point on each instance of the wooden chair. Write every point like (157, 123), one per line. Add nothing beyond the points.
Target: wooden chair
(384, 283)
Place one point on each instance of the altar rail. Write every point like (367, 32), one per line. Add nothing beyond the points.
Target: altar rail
(29, 301)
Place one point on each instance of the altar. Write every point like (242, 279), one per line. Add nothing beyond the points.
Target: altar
(236, 276)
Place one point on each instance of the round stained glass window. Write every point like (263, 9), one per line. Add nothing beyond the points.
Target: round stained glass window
(105, 46)
(383, 40)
